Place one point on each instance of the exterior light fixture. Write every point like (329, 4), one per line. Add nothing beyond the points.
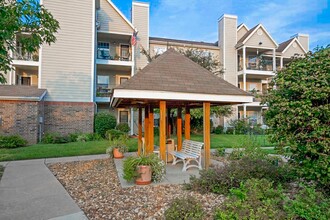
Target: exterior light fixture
(260, 43)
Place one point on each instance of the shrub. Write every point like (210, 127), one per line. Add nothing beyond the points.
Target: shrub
(184, 208)
(89, 137)
(73, 137)
(12, 141)
(218, 130)
(104, 121)
(299, 112)
(124, 127)
(255, 199)
(114, 134)
(55, 138)
(229, 130)
(241, 126)
(308, 204)
(221, 179)
(156, 131)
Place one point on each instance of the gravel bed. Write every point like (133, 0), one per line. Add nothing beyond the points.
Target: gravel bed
(95, 187)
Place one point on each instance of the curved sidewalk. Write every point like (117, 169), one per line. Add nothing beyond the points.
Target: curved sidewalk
(28, 190)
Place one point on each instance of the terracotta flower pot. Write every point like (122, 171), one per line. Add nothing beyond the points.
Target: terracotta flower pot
(145, 175)
(117, 154)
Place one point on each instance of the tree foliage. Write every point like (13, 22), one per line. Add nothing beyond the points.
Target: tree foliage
(299, 113)
(31, 21)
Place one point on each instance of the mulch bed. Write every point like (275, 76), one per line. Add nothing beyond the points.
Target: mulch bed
(95, 187)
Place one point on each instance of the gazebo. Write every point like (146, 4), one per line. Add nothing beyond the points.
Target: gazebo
(174, 81)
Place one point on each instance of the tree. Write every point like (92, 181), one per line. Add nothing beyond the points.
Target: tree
(28, 19)
(299, 113)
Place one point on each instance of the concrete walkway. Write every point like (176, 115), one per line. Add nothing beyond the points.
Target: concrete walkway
(28, 190)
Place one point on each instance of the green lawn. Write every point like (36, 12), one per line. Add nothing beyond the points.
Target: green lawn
(98, 147)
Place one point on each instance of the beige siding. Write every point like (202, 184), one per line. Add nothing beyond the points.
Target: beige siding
(110, 20)
(256, 39)
(140, 14)
(230, 25)
(293, 50)
(241, 32)
(252, 83)
(66, 70)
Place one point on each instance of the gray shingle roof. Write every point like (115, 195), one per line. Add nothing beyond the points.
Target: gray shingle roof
(284, 45)
(16, 92)
(173, 72)
(183, 41)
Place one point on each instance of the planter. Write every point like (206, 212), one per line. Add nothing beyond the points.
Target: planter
(117, 154)
(144, 175)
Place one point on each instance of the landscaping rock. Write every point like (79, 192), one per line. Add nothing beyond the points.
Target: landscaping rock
(95, 187)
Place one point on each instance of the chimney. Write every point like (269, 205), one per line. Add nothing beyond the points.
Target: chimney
(140, 20)
(227, 39)
(303, 40)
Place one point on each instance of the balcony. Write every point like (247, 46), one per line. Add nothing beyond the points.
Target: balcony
(22, 58)
(21, 55)
(259, 63)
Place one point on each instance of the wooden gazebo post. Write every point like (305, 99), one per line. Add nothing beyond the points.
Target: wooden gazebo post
(151, 130)
(162, 130)
(187, 123)
(140, 131)
(207, 134)
(146, 129)
(179, 128)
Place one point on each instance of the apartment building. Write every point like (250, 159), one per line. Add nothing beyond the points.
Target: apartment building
(73, 78)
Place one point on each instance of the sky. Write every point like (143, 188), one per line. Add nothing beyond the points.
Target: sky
(197, 19)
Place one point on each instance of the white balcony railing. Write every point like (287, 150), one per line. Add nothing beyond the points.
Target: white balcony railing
(19, 54)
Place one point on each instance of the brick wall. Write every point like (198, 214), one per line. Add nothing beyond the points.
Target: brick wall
(20, 117)
(68, 117)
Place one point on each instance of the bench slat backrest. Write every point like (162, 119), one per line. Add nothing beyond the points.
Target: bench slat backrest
(192, 147)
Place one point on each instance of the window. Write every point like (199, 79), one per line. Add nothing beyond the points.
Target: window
(103, 50)
(123, 79)
(252, 62)
(253, 86)
(103, 81)
(123, 116)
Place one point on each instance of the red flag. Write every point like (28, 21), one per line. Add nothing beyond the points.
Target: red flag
(133, 39)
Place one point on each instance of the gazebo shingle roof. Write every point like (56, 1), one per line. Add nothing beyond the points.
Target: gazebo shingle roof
(173, 72)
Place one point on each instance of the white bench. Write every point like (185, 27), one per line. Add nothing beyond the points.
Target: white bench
(191, 151)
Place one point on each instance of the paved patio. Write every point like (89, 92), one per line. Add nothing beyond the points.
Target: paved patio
(174, 174)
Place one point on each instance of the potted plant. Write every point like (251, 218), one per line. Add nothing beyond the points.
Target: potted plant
(144, 169)
(118, 146)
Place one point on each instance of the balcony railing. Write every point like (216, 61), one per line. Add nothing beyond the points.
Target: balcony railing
(104, 90)
(19, 54)
(257, 63)
(105, 55)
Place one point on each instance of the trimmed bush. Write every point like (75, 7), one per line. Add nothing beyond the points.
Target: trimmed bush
(114, 134)
(218, 130)
(12, 141)
(104, 121)
(123, 127)
(184, 208)
(221, 179)
(255, 199)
